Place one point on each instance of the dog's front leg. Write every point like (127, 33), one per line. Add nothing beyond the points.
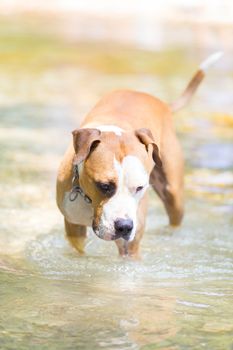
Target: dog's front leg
(76, 235)
(132, 249)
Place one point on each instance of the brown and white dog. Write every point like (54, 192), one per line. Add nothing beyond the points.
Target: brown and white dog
(124, 144)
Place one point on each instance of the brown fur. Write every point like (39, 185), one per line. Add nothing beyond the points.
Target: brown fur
(130, 111)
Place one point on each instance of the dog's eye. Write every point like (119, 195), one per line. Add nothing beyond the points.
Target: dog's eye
(106, 188)
(139, 188)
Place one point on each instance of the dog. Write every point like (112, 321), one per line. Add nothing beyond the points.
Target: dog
(126, 143)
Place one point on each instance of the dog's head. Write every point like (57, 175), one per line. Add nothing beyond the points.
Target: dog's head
(114, 171)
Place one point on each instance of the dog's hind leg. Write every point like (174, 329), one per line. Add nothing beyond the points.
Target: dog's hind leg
(168, 181)
(172, 200)
(76, 235)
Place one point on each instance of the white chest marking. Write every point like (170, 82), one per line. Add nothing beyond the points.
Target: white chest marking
(78, 212)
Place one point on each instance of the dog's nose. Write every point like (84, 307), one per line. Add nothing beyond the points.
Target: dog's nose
(123, 228)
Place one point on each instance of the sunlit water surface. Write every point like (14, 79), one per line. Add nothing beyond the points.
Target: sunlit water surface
(179, 296)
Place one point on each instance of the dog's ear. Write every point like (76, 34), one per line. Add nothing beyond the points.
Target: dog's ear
(84, 141)
(145, 136)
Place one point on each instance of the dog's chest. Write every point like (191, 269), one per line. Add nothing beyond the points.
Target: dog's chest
(78, 211)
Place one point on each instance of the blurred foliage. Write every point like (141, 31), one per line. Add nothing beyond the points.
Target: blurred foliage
(26, 47)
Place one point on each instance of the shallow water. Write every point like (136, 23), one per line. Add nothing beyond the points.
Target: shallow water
(180, 296)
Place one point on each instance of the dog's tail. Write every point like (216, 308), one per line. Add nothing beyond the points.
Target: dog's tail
(184, 99)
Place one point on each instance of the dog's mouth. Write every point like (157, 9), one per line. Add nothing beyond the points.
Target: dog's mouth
(99, 232)
(104, 236)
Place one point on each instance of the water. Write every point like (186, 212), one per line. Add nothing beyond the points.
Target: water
(180, 295)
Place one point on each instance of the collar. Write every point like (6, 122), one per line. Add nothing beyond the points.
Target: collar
(76, 189)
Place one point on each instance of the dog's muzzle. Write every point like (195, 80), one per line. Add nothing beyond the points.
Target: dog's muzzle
(122, 229)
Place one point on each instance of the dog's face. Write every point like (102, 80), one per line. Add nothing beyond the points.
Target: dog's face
(114, 172)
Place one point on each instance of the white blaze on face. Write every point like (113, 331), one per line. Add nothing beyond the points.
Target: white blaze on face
(124, 204)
